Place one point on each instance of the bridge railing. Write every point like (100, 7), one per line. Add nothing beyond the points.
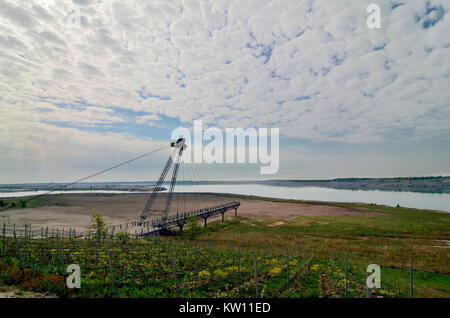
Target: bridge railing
(199, 212)
(152, 226)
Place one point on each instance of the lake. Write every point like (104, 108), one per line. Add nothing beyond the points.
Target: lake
(433, 201)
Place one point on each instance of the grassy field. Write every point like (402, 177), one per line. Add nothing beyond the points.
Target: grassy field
(171, 267)
(402, 234)
(315, 265)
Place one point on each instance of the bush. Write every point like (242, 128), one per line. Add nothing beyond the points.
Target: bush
(2, 203)
(97, 223)
(122, 236)
(194, 230)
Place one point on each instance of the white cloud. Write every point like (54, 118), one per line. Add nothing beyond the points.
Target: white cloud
(147, 119)
(310, 67)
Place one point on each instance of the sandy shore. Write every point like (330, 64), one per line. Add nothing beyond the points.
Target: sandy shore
(73, 210)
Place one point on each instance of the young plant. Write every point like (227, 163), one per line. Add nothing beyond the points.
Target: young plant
(97, 223)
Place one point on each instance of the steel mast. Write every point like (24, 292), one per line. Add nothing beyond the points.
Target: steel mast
(178, 146)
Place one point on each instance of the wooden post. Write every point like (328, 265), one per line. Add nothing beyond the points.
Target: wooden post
(4, 237)
(159, 254)
(61, 260)
(98, 246)
(232, 252)
(174, 273)
(287, 267)
(346, 273)
(111, 269)
(379, 264)
(411, 283)
(239, 265)
(18, 252)
(264, 260)
(256, 275)
(46, 241)
(196, 269)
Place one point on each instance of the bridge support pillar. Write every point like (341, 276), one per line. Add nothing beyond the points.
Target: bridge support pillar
(223, 216)
(205, 220)
(180, 225)
(235, 211)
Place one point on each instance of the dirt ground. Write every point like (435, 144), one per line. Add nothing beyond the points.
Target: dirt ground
(73, 210)
(14, 292)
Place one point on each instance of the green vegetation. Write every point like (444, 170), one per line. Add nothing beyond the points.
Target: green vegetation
(143, 268)
(26, 203)
(317, 247)
(397, 234)
(439, 184)
(98, 224)
(22, 204)
(193, 230)
(121, 236)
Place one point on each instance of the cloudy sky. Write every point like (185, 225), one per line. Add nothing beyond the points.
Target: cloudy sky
(349, 100)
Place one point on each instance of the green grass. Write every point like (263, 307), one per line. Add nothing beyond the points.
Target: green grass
(144, 268)
(397, 236)
(394, 238)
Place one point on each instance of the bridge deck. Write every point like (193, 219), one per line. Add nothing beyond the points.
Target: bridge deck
(180, 219)
(132, 228)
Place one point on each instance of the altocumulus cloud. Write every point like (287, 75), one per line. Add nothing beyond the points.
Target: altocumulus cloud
(311, 67)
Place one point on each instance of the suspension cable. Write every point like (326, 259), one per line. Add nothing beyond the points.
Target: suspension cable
(91, 176)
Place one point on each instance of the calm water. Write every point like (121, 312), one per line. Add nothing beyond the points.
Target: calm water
(434, 201)
(33, 193)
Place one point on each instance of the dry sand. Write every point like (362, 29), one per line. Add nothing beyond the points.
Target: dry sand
(73, 210)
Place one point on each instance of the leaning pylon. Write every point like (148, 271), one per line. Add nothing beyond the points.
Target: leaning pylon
(177, 152)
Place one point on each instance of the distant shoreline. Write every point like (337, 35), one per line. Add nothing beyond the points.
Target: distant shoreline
(405, 184)
(417, 184)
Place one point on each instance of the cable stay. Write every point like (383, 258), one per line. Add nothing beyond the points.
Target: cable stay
(193, 200)
(90, 176)
(157, 214)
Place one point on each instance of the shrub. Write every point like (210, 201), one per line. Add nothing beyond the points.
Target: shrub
(122, 236)
(204, 274)
(276, 271)
(194, 229)
(220, 273)
(97, 223)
